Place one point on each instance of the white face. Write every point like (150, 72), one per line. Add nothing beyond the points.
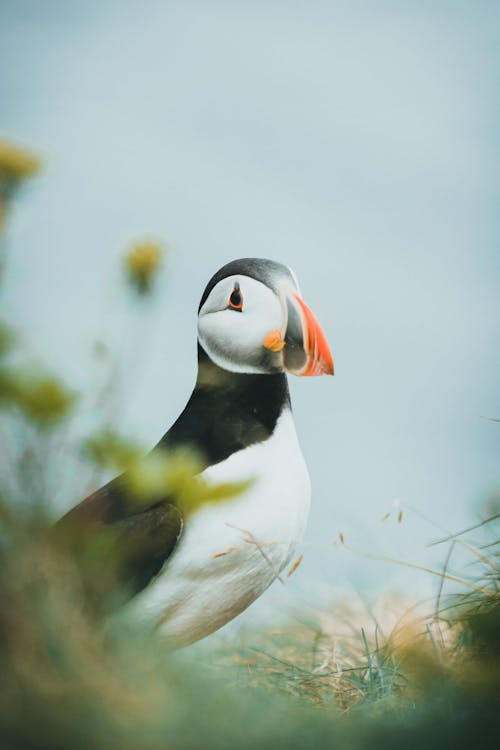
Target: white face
(234, 321)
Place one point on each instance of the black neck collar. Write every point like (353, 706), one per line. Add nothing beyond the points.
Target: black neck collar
(227, 411)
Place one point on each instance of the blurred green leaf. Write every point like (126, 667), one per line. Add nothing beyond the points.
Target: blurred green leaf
(106, 448)
(43, 400)
(160, 475)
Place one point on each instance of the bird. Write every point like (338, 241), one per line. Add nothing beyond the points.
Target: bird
(190, 575)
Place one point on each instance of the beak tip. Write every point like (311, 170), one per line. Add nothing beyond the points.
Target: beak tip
(328, 369)
(326, 362)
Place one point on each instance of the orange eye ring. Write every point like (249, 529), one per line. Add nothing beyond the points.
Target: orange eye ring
(236, 299)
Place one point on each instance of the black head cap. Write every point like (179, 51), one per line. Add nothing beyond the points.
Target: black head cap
(269, 272)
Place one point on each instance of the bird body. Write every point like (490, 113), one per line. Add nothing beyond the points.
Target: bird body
(231, 552)
(191, 575)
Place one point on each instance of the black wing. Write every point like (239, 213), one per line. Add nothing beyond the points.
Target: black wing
(118, 547)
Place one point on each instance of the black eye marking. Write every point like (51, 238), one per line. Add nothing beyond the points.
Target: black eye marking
(236, 299)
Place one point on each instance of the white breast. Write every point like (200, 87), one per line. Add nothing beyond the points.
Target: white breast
(229, 553)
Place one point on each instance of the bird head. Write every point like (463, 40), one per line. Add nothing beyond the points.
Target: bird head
(252, 319)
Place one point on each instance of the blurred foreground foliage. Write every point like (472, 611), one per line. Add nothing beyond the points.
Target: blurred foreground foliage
(149, 478)
(69, 679)
(41, 398)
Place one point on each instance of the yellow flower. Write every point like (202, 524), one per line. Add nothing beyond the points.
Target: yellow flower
(16, 165)
(142, 263)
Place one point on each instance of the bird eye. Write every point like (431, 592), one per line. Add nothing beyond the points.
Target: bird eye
(236, 299)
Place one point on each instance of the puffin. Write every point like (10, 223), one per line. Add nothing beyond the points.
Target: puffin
(189, 576)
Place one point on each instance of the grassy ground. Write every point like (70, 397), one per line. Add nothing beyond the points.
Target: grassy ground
(336, 680)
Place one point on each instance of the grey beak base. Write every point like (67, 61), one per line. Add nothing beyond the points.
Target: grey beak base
(294, 354)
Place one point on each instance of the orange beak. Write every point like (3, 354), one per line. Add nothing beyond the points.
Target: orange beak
(319, 357)
(303, 344)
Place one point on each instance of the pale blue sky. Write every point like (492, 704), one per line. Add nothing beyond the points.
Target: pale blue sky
(355, 141)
